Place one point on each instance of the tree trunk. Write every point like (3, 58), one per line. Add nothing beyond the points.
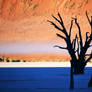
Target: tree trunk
(71, 77)
(78, 68)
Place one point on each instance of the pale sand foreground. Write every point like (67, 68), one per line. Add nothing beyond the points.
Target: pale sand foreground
(38, 64)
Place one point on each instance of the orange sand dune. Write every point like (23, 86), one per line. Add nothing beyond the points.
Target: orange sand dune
(24, 8)
(25, 21)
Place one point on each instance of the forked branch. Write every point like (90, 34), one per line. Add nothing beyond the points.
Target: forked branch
(80, 35)
(52, 23)
(61, 23)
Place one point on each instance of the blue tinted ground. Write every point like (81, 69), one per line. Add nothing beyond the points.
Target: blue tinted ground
(42, 80)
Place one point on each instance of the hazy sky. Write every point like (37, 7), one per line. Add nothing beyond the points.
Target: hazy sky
(29, 48)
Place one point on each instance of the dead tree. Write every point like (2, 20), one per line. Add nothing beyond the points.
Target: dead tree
(76, 48)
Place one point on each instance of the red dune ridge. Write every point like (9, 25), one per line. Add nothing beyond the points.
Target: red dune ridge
(18, 8)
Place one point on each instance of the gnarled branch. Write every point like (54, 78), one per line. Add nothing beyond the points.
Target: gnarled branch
(61, 23)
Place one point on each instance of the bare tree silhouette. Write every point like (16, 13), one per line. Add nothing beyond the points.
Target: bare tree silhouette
(76, 48)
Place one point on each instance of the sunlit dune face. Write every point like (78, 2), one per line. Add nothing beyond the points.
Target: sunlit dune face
(31, 30)
(27, 30)
(24, 28)
(35, 28)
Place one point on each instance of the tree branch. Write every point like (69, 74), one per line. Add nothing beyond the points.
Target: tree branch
(56, 19)
(78, 50)
(87, 36)
(60, 47)
(90, 21)
(61, 36)
(87, 17)
(52, 23)
(61, 23)
(87, 44)
(73, 44)
(70, 28)
(80, 36)
(60, 17)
